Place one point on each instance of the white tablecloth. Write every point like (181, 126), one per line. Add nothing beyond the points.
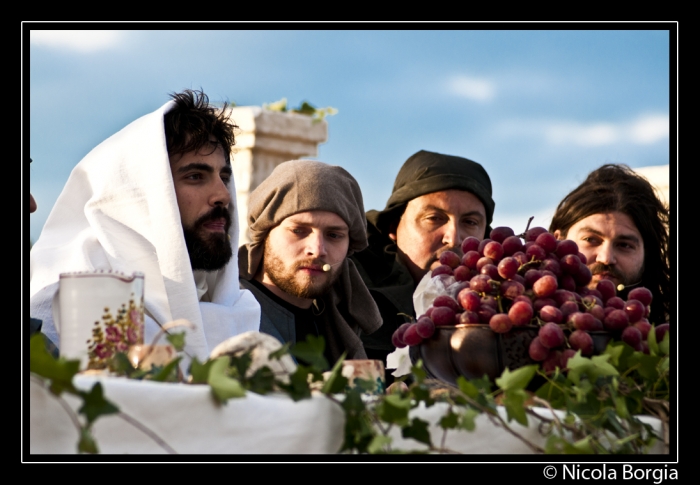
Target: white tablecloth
(187, 418)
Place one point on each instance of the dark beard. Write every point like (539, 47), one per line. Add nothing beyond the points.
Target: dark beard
(283, 277)
(209, 251)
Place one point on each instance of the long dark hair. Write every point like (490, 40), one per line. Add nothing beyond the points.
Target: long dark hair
(617, 188)
(190, 125)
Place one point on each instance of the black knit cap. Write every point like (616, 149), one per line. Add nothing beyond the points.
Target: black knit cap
(427, 172)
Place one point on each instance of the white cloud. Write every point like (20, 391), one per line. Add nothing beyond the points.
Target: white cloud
(649, 129)
(581, 134)
(477, 89)
(642, 130)
(77, 40)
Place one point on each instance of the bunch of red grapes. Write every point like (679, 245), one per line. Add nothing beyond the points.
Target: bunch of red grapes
(505, 283)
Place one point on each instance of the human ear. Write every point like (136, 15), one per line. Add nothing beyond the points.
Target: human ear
(557, 235)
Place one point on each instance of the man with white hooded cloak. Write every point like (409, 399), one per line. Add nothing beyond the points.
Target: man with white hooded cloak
(157, 197)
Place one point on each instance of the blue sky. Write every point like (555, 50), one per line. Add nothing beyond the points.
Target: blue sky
(539, 109)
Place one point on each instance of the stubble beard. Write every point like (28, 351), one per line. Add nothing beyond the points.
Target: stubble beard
(288, 279)
(209, 251)
(633, 280)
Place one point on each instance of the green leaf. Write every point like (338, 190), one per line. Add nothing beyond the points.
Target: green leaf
(514, 402)
(59, 371)
(418, 430)
(379, 444)
(651, 341)
(311, 352)
(280, 105)
(199, 372)
(418, 372)
(262, 381)
(223, 387)
(95, 404)
(517, 379)
(594, 367)
(665, 344)
(279, 353)
(87, 443)
(394, 409)
(621, 407)
(305, 109)
(298, 387)
(467, 419)
(121, 365)
(449, 420)
(177, 340)
(467, 387)
(167, 373)
(335, 382)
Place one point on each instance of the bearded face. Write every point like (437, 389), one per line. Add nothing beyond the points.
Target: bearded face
(209, 250)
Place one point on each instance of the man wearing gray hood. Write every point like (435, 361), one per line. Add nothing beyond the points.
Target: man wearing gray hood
(437, 201)
(304, 220)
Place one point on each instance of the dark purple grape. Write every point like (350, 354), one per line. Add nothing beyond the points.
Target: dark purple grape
(451, 259)
(462, 273)
(547, 241)
(607, 289)
(485, 313)
(585, 321)
(469, 316)
(508, 267)
(520, 313)
(566, 246)
(425, 327)
(411, 336)
(635, 310)
(549, 313)
(443, 315)
(491, 270)
(493, 250)
(512, 245)
(661, 330)
(480, 283)
(551, 335)
(500, 323)
(581, 340)
(442, 269)
(470, 244)
(545, 286)
(615, 302)
(632, 336)
(483, 244)
(447, 301)
(469, 299)
(499, 234)
(642, 294)
(616, 320)
(511, 289)
(533, 232)
(536, 253)
(643, 326)
(537, 351)
(470, 259)
(483, 261)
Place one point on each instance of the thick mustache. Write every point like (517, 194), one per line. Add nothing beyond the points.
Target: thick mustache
(217, 212)
(604, 268)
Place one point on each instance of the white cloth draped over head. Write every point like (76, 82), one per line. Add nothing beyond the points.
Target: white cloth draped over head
(118, 211)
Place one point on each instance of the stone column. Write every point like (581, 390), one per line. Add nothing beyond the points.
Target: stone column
(266, 139)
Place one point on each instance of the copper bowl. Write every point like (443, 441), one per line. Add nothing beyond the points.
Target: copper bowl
(474, 350)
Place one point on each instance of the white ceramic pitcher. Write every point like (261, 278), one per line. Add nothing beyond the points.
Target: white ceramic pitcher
(97, 314)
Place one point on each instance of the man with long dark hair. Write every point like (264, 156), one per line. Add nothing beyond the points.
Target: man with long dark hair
(157, 197)
(621, 226)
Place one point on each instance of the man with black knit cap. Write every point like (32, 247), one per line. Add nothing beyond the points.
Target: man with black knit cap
(437, 201)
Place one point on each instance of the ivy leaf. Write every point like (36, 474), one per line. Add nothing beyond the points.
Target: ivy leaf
(449, 420)
(87, 443)
(222, 386)
(311, 352)
(418, 372)
(280, 105)
(121, 365)
(298, 387)
(262, 381)
(514, 402)
(336, 381)
(394, 409)
(467, 419)
(59, 371)
(651, 341)
(279, 353)
(467, 387)
(167, 372)
(418, 430)
(199, 372)
(518, 379)
(95, 404)
(378, 444)
(306, 108)
(594, 367)
(177, 340)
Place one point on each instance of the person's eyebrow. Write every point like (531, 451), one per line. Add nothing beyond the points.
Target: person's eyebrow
(196, 166)
(430, 207)
(621, 237)
(328, 228)
(227, 170)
